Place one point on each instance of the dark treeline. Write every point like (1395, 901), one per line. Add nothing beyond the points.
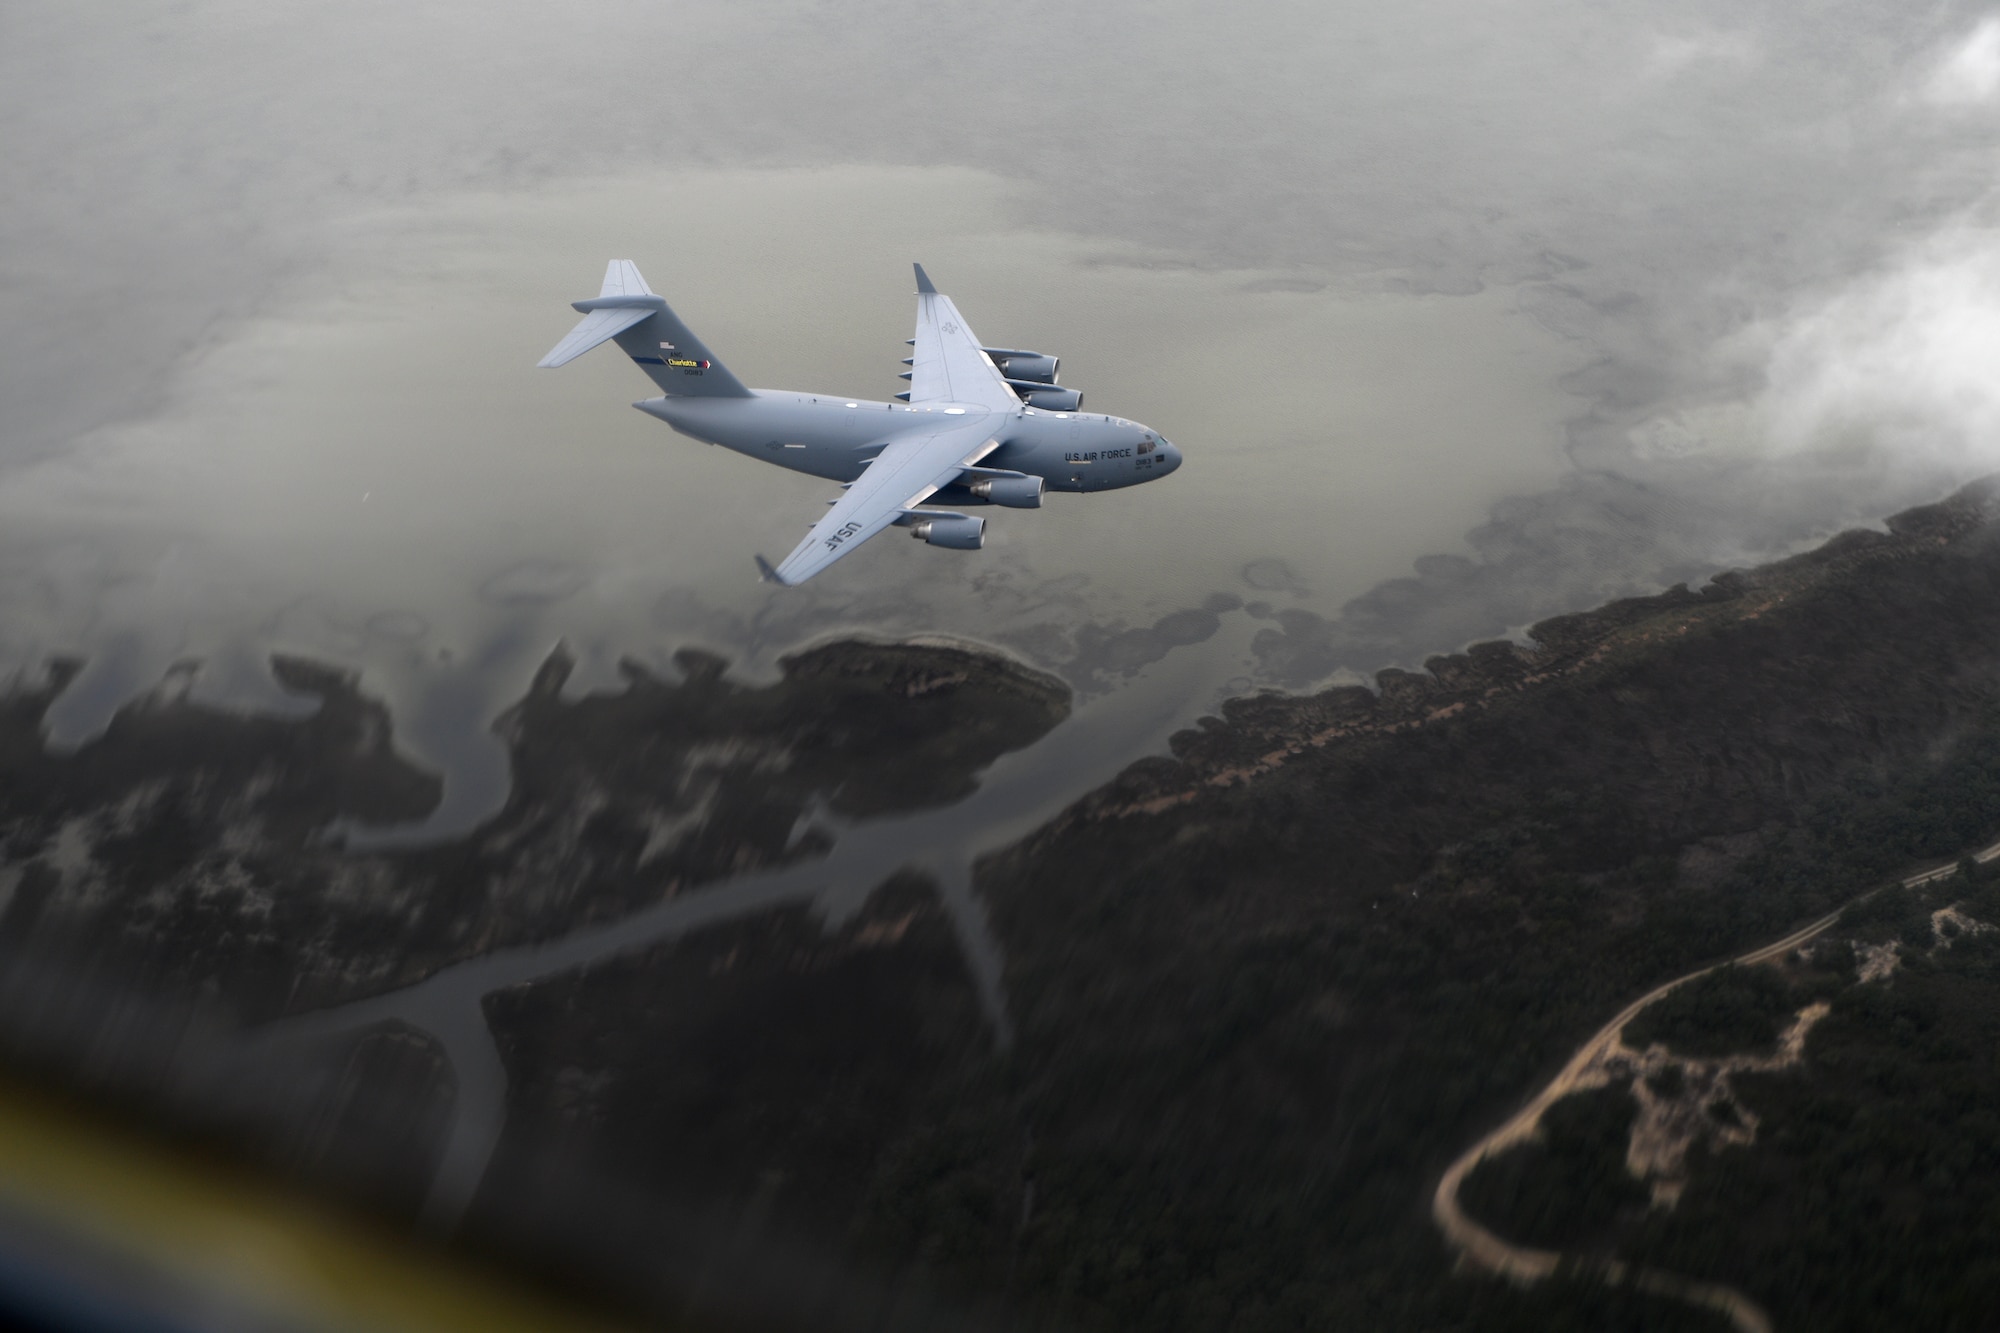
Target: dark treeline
(1868, 1198)
(1729, 1010)
(1265, 991)
(1872, 1196)
(1258, 1018)
(1568, 1190)
(1466, 995)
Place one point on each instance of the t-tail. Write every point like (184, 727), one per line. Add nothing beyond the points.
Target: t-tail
(651, 334)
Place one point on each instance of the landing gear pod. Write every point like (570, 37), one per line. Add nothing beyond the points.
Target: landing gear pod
(958, 532)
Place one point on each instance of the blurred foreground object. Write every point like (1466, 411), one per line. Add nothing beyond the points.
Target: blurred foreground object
(105, 1227)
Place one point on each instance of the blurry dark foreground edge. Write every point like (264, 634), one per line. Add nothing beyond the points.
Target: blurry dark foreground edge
(159, 1172)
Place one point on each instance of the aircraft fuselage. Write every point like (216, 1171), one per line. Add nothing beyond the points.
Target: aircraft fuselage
(835, 438)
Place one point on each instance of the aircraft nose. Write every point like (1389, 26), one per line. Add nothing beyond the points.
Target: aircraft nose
(1173, 454)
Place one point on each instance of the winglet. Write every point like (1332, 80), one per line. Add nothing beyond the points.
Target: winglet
(924, 287)
(768, 574)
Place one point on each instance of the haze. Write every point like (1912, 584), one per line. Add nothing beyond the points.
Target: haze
(1464, 315)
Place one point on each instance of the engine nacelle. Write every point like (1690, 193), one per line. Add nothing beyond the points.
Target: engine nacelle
(1047, 396)
(958, 532)
(1030, 366)
(1013, 492)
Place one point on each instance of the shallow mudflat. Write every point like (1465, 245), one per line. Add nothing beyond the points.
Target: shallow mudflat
(203, 849)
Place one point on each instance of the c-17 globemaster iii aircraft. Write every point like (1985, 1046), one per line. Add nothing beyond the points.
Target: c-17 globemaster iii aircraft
(979, 425)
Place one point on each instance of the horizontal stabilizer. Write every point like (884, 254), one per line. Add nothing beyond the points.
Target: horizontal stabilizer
(598, 326)
(623, 300)
(650, 333)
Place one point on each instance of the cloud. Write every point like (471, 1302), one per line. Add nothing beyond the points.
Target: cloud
(1906, 361)
(1671, 55)
(1970, 75)
(1849, 404)
(1898, 364)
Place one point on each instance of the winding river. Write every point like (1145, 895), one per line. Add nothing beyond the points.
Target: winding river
(1018, 793)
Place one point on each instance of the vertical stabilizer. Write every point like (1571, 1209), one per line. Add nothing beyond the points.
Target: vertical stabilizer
(651, 334)
(621, 278)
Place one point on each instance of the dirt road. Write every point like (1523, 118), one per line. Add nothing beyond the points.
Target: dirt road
(1526, 1265)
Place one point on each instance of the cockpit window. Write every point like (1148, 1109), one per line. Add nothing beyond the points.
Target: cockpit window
(1147, 445)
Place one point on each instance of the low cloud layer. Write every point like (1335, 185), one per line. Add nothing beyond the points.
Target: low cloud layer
(1846, 407)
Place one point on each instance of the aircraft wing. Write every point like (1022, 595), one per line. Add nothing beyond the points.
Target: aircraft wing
(902, 475)
(949, 366)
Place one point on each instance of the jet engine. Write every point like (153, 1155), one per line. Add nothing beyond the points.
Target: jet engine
(1013, 492)
(957, 531)
(1047, 396)
(1030, 366)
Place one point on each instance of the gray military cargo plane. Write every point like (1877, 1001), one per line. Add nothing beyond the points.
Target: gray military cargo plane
(978, 426)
